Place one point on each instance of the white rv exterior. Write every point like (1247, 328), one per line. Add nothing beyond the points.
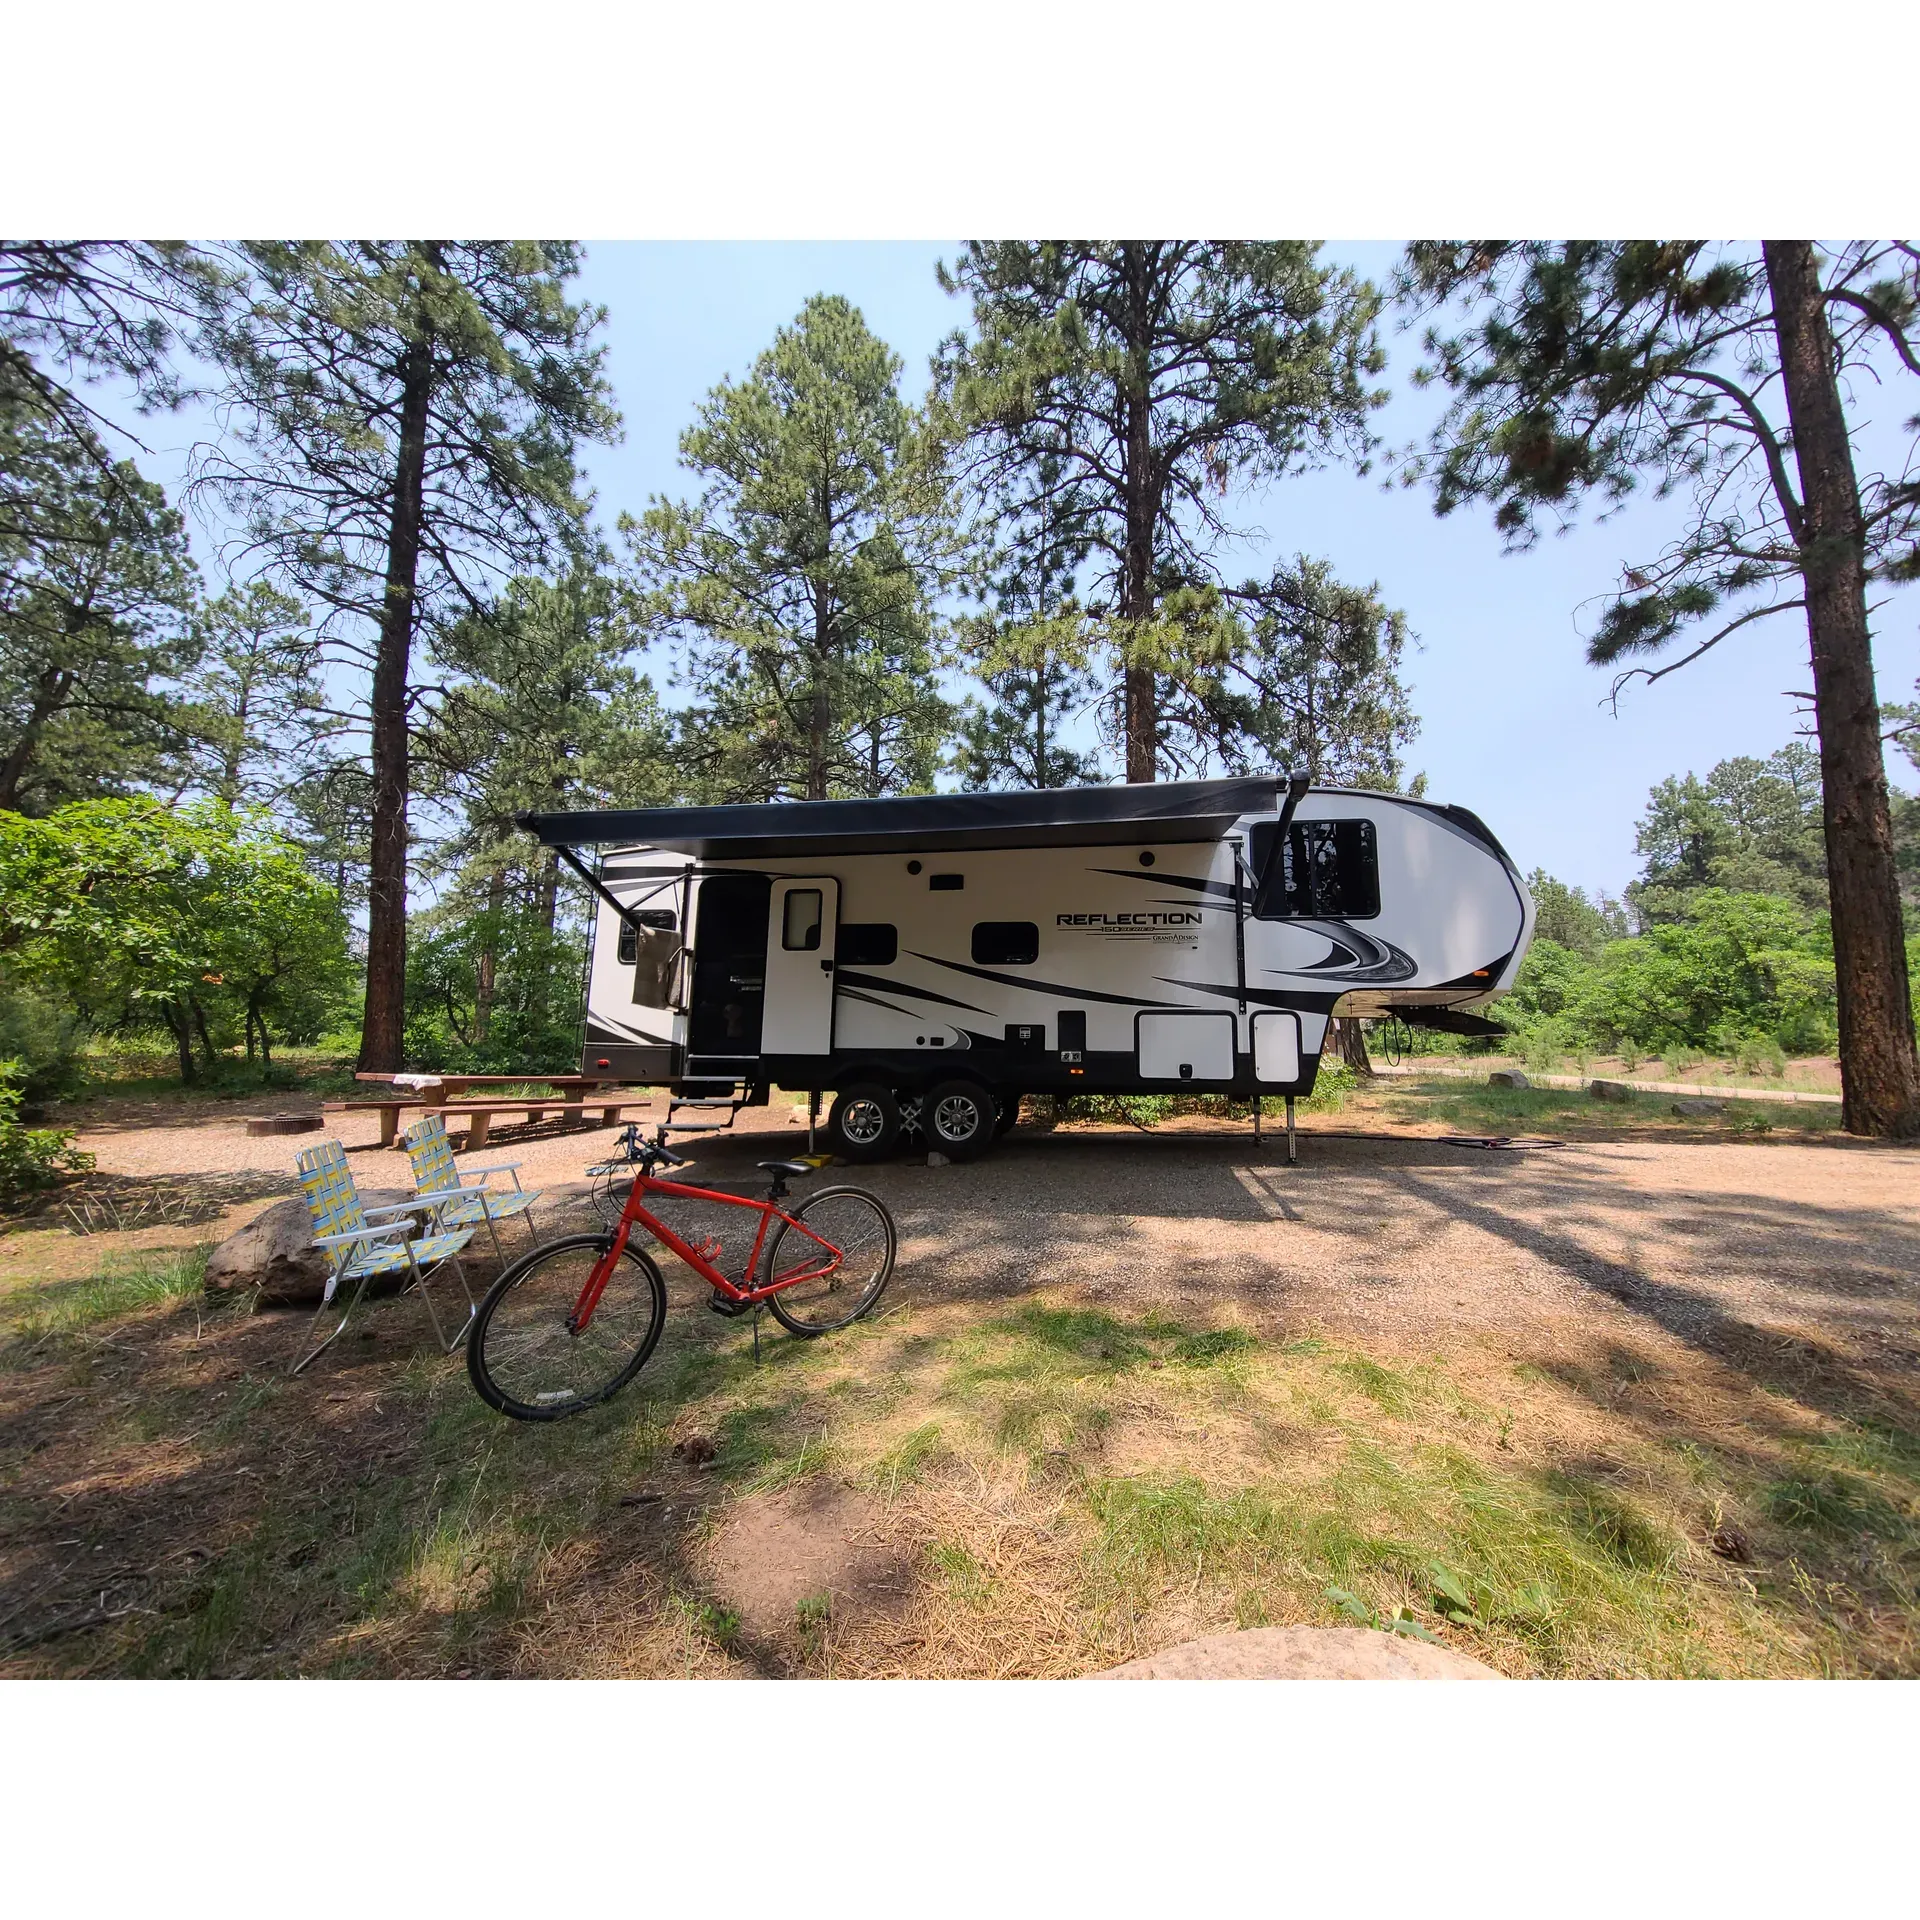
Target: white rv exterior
(1126, 947)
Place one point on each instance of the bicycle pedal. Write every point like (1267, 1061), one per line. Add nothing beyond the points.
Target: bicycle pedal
(718, 1302)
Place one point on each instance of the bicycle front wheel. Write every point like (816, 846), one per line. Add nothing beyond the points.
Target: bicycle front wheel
(526, 1361)
(839, 1248)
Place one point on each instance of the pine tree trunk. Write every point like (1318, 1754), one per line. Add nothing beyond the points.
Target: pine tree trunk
(1136, 600)
(1879, 1069)
(383, 1026)
(489, 960)
(1143, 515)
(48, 697)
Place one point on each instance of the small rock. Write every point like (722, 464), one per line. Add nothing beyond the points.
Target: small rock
(1610, 1090)
(696, 1450)
(938, 1160)
(1509, 1077)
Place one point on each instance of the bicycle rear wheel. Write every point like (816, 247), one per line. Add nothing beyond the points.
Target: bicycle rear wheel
(523, 1358)
(853, 1225)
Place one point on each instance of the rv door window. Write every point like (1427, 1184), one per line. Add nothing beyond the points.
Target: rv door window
(800, 930)
(1330, 870)
(655, 918)
(1005, 943)
(867, 943)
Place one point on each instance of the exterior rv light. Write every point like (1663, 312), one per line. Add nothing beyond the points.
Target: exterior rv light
(913, 866)
(1146, 859)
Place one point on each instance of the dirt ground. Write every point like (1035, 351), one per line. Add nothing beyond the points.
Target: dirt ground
(1100, 1344)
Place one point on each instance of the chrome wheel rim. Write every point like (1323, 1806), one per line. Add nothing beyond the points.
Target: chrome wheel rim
(863, 1122)
(957, 1117)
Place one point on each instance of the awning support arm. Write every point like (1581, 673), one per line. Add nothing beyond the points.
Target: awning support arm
(628, 915)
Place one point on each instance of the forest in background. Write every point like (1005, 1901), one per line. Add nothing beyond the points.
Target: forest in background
(270, 799)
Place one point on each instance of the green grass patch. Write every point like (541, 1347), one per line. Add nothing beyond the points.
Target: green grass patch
(126, 1284)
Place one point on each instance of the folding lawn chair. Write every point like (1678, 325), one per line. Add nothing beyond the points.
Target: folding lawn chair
(436, 1178)
(356, 1250)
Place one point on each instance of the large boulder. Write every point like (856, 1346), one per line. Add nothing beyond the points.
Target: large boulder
(1510, 1077)
(1615, 1090)
(274, 1252)
(1304, 1653)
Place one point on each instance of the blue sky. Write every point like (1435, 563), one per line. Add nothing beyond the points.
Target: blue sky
(1513, 721)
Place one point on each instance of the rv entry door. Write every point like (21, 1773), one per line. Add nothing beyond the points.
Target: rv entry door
(801, 923)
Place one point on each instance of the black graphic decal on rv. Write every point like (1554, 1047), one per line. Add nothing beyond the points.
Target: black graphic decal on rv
(1040, 986)
(1353, 957)
(1221, 893)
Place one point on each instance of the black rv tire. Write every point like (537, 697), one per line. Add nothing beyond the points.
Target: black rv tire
(864, 1123)
(957, 1118)
(1009, 1114)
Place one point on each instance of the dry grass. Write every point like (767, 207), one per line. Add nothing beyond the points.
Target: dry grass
(1072, 1486)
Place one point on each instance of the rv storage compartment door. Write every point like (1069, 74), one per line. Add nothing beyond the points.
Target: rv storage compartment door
(801, 924)
(1276, 1049)
(1186, 1046)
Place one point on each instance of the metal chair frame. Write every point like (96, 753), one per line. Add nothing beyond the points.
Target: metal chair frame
(438, 1180)
(333, 1197)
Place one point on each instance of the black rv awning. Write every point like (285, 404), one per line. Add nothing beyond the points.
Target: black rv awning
(931, 822)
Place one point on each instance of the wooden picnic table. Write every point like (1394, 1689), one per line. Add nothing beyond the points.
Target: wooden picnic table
(570, 1095)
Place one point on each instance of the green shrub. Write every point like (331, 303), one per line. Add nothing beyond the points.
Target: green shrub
(44, 1040)
(31, 1157)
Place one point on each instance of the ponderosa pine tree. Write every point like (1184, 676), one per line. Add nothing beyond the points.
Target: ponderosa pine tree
(403, 418)
(1030, 650)
(1582, 368)
(95, 595)
(258, 692)
(799, 584)
(1303, 673)
(1124, 388)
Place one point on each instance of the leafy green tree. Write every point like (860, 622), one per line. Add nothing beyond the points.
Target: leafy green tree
(799, 583)
(127, 910)
(403, 418)
(1566, 917)
(1583, 368)
(1122, 389)
(94, 604)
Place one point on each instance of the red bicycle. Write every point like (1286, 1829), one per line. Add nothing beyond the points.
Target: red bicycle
(571, 1322)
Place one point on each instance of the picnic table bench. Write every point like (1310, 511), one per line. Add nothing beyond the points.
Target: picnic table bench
(571, 1094)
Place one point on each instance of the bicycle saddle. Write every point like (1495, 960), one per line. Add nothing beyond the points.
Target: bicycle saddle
(797, 1168)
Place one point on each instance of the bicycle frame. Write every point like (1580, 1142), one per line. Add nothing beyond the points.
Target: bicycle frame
(634, 1214)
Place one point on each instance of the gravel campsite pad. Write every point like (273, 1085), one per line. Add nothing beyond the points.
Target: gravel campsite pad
(1625, 1405)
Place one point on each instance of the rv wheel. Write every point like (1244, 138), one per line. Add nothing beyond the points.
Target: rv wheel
(958, 1118)
(864, 1123)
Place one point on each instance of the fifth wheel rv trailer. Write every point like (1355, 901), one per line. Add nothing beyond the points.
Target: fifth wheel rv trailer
(929, 959)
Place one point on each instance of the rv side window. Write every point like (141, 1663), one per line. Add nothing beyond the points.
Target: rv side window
(1330, 870)
(655, 918)
(866, 943)
(800, 932)
(1005, 943)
